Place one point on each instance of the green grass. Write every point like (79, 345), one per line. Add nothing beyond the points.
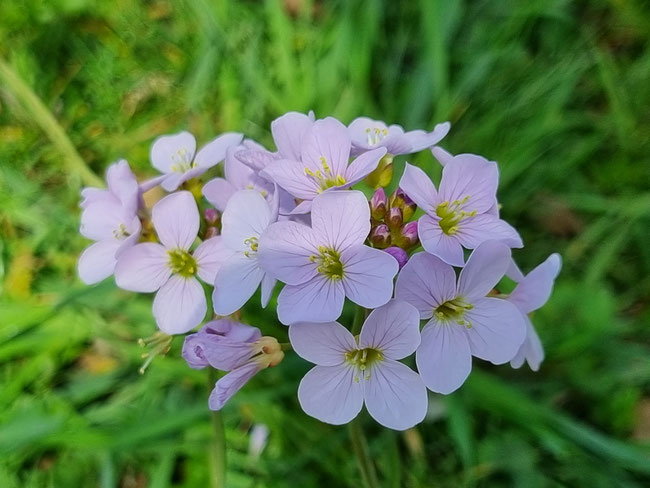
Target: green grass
(556, 91)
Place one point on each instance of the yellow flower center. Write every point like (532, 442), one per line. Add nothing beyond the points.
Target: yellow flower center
(181, 262)
(253, 244)
(181, 161)
(325, 179)
(451, 214)
(363, 360)
(329, 263)
(454, 310)
(121, 233)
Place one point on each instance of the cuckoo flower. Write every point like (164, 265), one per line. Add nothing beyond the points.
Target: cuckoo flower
(246, 218)
(350, 371)
(367, 134)
(110, 218)
(328, 261)
(463, 320)
(230, 346)
(174, 155)
(460, 213)
(170, 268)
(531, 293)
(323, 164)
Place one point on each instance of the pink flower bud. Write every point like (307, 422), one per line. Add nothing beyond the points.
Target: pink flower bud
(210, 232)
(399, 254)
(378, 204)
(394, 219)
(211, 216)
(402, 200)
(380, 236)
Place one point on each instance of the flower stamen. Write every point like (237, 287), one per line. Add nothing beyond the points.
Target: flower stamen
(325, 179)
(452, 214)
(329, 263)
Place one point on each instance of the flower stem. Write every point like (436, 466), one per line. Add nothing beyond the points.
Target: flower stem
(218, 461)
(359, 317)
(360, 447)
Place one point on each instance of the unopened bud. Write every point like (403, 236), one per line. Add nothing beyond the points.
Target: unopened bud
(399, 254)
(383, 174)
(408, 235)
(271, 353)
(210, 232)
(211, 216)
(380, 236)
(378, 204)
(403, 201)
(394, 219)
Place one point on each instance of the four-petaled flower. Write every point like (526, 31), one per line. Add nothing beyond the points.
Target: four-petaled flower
(171, 268)
(174, 156)
(328, 261)
(463, 320)
(462, 212)
(350, 371)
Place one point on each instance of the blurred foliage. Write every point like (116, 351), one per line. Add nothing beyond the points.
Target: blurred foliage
(556, 91)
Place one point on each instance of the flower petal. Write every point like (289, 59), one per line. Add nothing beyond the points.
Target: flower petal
(394, 329)
(329, 139)
(395, 395)
(236, 282)
(143, 267)
(530, 351)
(284, 252)
(484, 269)
(363, 165)
(179, 305)
(210, 256)
(215, 151)
(419, 188)
(218, 351)
(318, 300)
(535, 289)
(290, 175)
(341, 218)
(246, 216)
(322, 344)
(441, 155)
(176, 220)
(230, 384)
(218, 191)
(497, 331)
(288, 133)
(102, 218)
(359, 129)
(256, 159)
(169, 151)
(417, 140)
(331, 394)
(368, 275)
(436, 242)
(473, 177)
(426, 282)
(268, 283)
(444, 358)
(480, 228)
(97, 262)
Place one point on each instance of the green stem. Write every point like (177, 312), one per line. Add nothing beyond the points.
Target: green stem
(360, 447)
(48, 124)
(218, 460)
(359, 317)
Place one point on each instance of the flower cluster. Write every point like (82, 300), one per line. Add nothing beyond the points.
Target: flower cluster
(239, 217)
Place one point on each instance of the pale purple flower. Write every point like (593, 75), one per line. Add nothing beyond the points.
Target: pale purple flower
(175, 156)
(170, 268)
(328, 261)
(230, 346)
(246, 218)
(110, 218)
(367, 134)
(352, 371)
(461, 213)
(531, 293)
(323, 164)
(463, 320)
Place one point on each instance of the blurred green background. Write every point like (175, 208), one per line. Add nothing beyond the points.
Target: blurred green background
(557, 91)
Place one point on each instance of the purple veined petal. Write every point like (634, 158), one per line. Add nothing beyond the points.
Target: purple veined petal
(176, 220)
(472, 177)
(436, 242)
(484, 269)
(172, 181)
(393, 329)
(152, 183)
(143, 268)
(232, 330)
(218, 191)
(220, 352)
(329, 139)
(480, 228)
(497, 331)
(514, 273)
(268, 283)
(331, 394)
(417, 140)
(215, 151)
(441, 155)
(285, 249)
(302, 208)
(530, 351)
(236, 282)
(246, 216)
(210, 256)
(274, 203)
(395, 395)
(363, 165)
(101, 219)
(322, 344)
(289, 132)
(368, 275)
(230, 384)
(318, 300)
(426, 282)
(97, 262)
(256, 159)
(286, 202)
(419, 188)
(290, 175)
(173, 150)
(179, 305)
(444, 358)
(341, 219)
(535, 289)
